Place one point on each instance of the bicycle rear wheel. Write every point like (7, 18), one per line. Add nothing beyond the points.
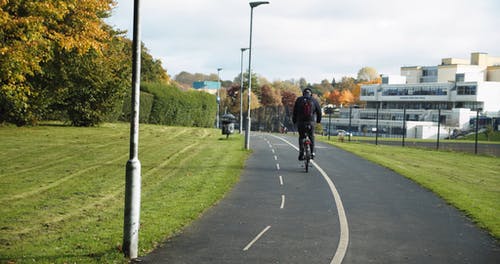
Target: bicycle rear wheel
(307, 156)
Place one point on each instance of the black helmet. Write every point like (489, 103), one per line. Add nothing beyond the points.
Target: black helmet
(307, 92)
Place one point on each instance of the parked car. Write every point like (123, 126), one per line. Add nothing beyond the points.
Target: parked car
(341, 132)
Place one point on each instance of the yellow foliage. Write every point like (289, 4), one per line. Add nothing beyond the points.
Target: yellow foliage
(32, 30)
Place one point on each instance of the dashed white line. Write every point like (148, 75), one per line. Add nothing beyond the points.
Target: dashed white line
(277, 166)
(275, 157)
(281, 180)
(256, 238)
(282, 201)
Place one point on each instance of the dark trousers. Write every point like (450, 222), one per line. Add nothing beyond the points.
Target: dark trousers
(306, 128)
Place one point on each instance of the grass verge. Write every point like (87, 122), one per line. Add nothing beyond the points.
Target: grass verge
(469, 182)
(62, 188)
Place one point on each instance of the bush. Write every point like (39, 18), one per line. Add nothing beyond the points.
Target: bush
(145, 105)
(177, 108)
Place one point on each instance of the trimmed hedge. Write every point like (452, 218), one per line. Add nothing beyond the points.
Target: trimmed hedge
(145, 105)
(174, 107)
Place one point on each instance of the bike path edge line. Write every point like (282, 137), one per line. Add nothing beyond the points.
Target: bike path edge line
(344, 227)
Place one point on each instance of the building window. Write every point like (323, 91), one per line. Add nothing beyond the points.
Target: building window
(466, 90)
(368, 115)
(415, 90)
(368, 91)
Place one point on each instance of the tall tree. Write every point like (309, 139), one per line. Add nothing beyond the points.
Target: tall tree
(84, 87)
(347, 83)
(270, 96)
(367, 74)
(231, 98)
(255, 84)
(31, 33)
(302, 83)
(334, 97)
(346, 98)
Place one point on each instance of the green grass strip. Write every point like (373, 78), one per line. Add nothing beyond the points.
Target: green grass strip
(469, 182)
(62, 188)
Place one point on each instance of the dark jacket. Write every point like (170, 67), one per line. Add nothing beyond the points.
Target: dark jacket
(298, 111)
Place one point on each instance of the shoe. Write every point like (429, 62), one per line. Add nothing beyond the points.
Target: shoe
(313, 155)
(301, 156)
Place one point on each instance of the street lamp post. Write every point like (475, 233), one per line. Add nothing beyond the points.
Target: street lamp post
(376, 127)
(241, 90)
(247, 131)
(439, 128)
(477, 129)
(350, 118)
(133, 167)
(218, 97)
(404, 126)
(329, 111)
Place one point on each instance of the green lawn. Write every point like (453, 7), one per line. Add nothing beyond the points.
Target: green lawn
(494, 137)
(62, 188)
(469, 182)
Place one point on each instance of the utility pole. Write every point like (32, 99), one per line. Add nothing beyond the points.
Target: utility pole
(133, 168)
(376, 127)
(249, 122)
(404, 126)
(439, 128)
(477, 129)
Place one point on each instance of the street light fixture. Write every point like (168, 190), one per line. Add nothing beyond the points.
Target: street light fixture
(241, 90)
(218, 96)
(247, 131)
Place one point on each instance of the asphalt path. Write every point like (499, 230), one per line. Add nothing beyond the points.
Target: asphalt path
(345, 210)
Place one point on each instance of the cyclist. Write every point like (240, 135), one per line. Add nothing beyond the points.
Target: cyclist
(306, 112)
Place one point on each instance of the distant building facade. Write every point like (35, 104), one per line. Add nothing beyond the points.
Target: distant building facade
(456, 89)
(207, 86)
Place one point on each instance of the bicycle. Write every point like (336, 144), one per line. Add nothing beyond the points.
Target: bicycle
(306, 144)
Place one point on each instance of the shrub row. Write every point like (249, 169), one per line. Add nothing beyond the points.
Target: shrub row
(167, 105)
(145, 104)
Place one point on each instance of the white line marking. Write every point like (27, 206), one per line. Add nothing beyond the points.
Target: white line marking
(275, 157)
(278, 166)
(256, 238)
(272, 150)
(281, 180)
(344, 227)
(282, 201)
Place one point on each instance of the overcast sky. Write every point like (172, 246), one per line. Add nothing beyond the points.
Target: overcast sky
(314, 39)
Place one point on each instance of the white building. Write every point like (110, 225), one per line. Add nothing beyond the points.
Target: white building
(456, 89)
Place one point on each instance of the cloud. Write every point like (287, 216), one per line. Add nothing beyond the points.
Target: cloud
(314, 39)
